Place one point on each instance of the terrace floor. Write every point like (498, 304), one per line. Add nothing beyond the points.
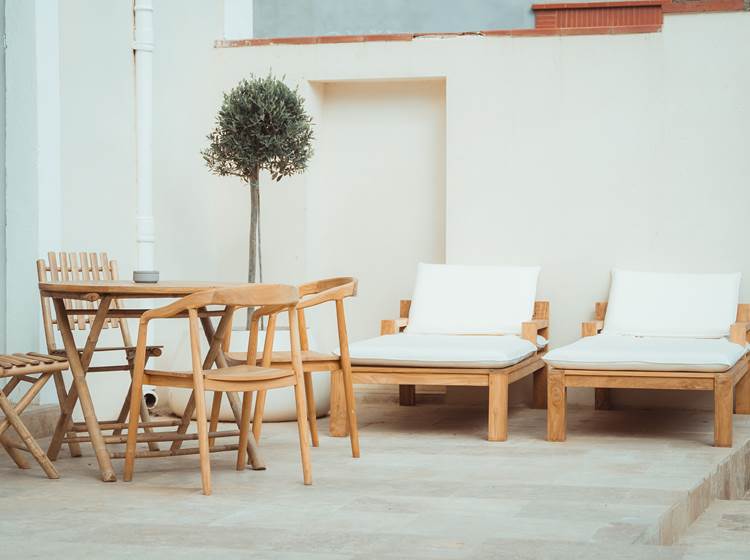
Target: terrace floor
(427, 486)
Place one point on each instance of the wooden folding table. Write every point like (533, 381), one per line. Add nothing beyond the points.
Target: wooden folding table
(67, 296)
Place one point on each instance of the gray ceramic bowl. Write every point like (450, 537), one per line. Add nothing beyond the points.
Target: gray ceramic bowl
(146, 276)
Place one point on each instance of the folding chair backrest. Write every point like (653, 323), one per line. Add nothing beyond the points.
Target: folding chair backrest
(82, 266)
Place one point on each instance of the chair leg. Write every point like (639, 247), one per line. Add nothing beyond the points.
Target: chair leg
(337, 420)
(27, 438)
(62, 394)
(351, 411)
(312, 417)
(304, 447)
(203, 448)
(742, 395)
(723, 411)
(260, 405)
(136, 399)
(14, 454)
(215, 409)
(540, 389)
(247, 404)
(407, 395)
(602, 399)
(498, 407)
(556, 406)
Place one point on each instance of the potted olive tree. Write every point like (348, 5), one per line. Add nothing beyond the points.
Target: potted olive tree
(261, 125)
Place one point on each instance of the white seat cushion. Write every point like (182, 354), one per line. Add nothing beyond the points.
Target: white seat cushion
(659, 304)
(439, 350)
(633, 353)
(456, 299)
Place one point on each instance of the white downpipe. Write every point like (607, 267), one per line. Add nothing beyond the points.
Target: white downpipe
(143, 47)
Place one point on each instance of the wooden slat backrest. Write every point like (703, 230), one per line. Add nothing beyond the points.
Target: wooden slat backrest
(329, 289)
(61, 267)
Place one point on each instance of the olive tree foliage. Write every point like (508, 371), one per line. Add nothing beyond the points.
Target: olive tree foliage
(261, 125)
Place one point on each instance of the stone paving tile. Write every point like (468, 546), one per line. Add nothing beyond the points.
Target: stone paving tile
(428, 486)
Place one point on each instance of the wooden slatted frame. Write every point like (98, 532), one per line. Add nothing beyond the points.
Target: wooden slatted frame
(731, 388)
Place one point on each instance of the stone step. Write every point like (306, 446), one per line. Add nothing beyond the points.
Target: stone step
(722, 532)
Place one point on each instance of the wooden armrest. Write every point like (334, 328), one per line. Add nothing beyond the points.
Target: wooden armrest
(393, 326)
(531, 329)
(591, 328)
(738, 333)
(330, 294)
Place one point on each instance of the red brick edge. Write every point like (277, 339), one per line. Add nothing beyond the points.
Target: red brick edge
(560, 19)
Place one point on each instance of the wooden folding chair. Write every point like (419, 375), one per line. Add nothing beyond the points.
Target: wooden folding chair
(313, 294)
(35, 369)
(86, 267)
(245, 378)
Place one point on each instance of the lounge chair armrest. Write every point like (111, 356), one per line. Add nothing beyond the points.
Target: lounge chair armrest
(738, 333)
(531, 329)
(591, 328)
(393, 326)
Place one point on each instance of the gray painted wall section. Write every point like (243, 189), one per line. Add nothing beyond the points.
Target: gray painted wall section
(293, 18)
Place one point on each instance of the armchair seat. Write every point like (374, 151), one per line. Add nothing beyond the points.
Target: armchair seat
(236, 358)
(644, 353)
(232, 373)
(441, 351)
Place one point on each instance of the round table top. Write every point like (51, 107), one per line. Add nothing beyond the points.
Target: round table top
(129, 289)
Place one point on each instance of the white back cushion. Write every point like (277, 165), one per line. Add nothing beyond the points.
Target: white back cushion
(661, 304)
(458, 299)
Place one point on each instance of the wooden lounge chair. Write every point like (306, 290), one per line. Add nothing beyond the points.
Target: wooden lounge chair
(466, 326)
(35, 369)
(312, 294)
(246, 378)
(86, 266)
(659, 331)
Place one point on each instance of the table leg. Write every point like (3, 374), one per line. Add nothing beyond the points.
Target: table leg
(80, 389)
(216, 355)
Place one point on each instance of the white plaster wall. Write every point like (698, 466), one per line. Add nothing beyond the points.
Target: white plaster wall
(576, 153)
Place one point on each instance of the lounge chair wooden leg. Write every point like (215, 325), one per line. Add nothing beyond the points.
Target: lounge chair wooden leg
(337, 421)
(304, 446)
(215, 409)
(540, 389)
(742, 395)
(260, 405)
(556, 406)
(498, 407)
(311, 415)
(723, 411)
(602, 399)
(26, 437)
(407, 395)
(247, 404)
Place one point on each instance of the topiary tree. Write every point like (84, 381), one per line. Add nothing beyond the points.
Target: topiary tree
(262, 124)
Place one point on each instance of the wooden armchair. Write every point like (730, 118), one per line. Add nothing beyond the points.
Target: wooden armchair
(343, 410)
(86, 266)
(245, 377)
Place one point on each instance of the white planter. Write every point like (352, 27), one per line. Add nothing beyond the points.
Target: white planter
(279, 402)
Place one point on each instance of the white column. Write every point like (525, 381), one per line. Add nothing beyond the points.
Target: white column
(144, 47)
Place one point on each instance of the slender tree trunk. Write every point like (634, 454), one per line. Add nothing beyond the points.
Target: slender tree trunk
(254, 235)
